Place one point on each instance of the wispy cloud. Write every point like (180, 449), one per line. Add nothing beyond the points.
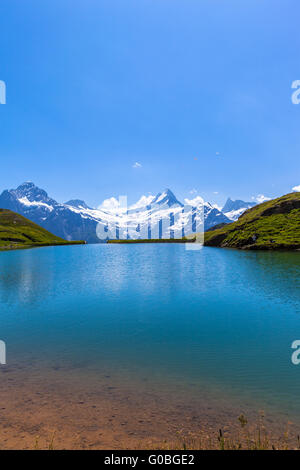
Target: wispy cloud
(296, 188)
(260, 198)
(137, 165)
(193, 191)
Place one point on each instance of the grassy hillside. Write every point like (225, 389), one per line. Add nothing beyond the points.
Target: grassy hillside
(271, 225)
(18, 232)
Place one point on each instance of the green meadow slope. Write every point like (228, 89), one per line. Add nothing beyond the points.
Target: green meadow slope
(272, 225)
(18, 232)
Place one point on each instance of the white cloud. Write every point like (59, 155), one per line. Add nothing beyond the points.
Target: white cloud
(110, 204)
(216, 192)
(143, 202)
(296, 188)
(260, 198)
(137, 165)
(193, 191)
(197, 201)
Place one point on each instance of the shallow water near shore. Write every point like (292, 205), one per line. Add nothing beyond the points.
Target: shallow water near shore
(196, 333)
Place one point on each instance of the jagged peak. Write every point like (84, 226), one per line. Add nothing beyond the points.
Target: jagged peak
(166, 197)
(31, 192)
(77, 203)
(237, 204)
(26, 185)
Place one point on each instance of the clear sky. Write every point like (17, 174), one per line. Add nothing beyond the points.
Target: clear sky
(197, 92)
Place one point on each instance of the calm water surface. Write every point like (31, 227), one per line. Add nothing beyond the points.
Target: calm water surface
(222, 319)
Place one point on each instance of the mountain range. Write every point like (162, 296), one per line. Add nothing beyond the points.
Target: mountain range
(75, 220)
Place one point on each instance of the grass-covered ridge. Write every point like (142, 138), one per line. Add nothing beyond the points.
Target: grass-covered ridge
(18, 232)
(271, 225)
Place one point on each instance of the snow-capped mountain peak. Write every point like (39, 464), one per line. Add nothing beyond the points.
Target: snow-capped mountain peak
(31, 192)
(234, 209)
(166, 197)
(77, 203)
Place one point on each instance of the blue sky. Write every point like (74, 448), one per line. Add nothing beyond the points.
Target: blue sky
(198, 92)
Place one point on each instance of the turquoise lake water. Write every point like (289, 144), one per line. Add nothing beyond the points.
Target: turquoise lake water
(218, 317)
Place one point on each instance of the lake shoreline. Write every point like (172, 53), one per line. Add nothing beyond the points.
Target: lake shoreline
(40, 245)
(57, 407)
(174, 241)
